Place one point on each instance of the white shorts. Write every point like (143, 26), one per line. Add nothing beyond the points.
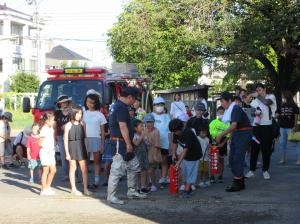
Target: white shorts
(47, 157)
(2, 148)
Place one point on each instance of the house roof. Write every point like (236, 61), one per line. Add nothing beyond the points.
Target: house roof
(4, 7)
(62, 53)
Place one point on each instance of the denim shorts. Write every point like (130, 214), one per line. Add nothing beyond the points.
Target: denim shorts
(93, 144)
(32, 164)
(190, 171)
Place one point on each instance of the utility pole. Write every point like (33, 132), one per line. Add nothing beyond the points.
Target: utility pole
(37, 33)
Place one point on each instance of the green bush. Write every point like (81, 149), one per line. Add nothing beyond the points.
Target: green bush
(23, 82)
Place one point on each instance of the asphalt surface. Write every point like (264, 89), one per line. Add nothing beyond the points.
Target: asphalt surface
(273, 201)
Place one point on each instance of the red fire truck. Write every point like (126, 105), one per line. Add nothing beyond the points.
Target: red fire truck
(75, 82)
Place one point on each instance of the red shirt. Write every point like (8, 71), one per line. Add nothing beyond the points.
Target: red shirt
(33, 144)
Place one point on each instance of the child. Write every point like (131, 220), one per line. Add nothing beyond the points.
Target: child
(216, 127)
(47, 154)
(189, 158)
(74, 138)
(153, 145)
(4, 136)
(162, 121)
(141, 153)
(204, 162)
(94, 122)
(33, 151)
(19, 146)
(177, 151)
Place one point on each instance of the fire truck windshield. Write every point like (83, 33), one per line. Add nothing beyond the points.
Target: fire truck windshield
(50, 90)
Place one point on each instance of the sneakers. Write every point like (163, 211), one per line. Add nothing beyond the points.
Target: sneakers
(203, 185)
(153, 188)
(220, 179)
(132, 194)
(31, 180)
(87, 193)
(162, 180)
(250, 174)
(167, 180)
(237, 185)
(193, 188)
(266, 175)
(115, 200)
(281, 162)
(144, 191)
(47, 192)
(182, 187)
(212, 179)
(76, 193)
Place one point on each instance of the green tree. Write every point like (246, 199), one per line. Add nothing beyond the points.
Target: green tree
(25, 83)
(259, 39)
(155, 34)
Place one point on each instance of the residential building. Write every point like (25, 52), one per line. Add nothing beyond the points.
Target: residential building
(61, 56)
(21, 47)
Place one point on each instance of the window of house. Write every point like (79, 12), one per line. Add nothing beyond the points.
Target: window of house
(19, 63)
(17, 32)
(1, 65)
(33, 65)
(1, 27)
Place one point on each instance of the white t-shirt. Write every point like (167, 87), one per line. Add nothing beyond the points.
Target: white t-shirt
(3, 132)
(47, 133)
(204, 142)
(21, 139)
(177, 108)
(162, 124)
(265, 119)
(93, 120)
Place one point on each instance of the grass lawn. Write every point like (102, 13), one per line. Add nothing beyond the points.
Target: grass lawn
(20, 119)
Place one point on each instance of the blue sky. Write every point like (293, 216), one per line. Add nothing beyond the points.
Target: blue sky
(87, 20)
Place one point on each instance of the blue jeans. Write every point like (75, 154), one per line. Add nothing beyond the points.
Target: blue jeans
(283, 139)
(64, 163)
(240, 143)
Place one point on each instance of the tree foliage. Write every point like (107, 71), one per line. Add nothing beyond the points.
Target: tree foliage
(257, 39)
(155, 34)
(23, 82)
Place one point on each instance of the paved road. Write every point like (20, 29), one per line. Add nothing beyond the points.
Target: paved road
(274, 201)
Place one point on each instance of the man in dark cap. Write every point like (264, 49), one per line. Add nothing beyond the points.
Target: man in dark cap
(122, 149)
(240, 141)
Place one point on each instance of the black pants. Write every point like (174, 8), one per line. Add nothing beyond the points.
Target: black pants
(263, 134)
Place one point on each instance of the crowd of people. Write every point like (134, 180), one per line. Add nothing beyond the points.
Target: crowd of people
(127, 141)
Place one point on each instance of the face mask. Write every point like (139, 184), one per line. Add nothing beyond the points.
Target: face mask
(159, 109)
(220, 117)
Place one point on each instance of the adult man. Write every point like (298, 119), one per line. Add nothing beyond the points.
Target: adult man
(241, 136)
(122, 149)
(62, 117)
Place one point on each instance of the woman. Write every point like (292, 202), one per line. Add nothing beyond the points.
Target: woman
(287, 116)
(177, 107)
(94, 122)
(262, 130)
(62, 117)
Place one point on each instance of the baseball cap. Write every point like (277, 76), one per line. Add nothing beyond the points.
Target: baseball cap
(92, 91)
(200, 106)
(159, 100)
(63, 99)
(149, 118)
(226, 96)
(183, 117)
(8, 115)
